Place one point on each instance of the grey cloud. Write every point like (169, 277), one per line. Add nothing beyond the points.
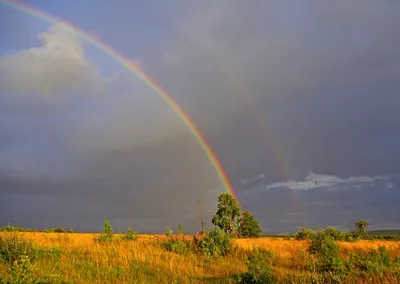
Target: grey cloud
(58, 65)
(321, 78)
(308, 87)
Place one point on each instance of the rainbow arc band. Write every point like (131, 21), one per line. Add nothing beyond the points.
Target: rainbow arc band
(136, 70)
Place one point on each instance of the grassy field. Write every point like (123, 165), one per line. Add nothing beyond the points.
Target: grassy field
(77, 258)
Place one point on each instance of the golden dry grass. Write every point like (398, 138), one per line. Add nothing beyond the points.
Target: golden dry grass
(85, 261)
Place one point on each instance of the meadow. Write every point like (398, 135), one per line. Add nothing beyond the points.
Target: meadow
(40, 257)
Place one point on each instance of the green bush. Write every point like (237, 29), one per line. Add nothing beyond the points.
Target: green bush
(259, 268)
(175, 244)
(304, 234)
(327, 251)
(375, 262)
(215, 242)
(130, 235)
(108, 233)
(21, 271)
(249, 226)
(13, 246)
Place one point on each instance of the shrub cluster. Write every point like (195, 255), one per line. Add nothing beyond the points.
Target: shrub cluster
(259, 268)
(215, 242)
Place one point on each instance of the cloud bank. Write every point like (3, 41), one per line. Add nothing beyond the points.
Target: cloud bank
(310, 87)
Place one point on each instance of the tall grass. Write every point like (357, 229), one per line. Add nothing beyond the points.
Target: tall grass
(77, 258)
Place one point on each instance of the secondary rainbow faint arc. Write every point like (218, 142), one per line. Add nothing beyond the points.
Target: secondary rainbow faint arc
(131, 66)
(272, 146)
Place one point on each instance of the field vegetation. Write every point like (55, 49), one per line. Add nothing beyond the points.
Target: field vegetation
(230, 252)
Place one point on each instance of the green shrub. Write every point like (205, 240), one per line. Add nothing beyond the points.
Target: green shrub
(374, 262)
(168, 233)
(259, 268)
(21, 271)
(249, 226)
(130, 235)
(108, 233)
(327, 251)
(304, 234)
(215, 242)
(180, 230)
(175, 244)
(13, 246)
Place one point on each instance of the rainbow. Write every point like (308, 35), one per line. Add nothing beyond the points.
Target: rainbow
(136, 70)
(272, 146)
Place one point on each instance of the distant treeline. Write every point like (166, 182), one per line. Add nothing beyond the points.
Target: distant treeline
(357, 232)
(11, 228)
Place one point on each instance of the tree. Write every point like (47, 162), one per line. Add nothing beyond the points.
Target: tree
(360, 229)
(228, 213)
(249, 226)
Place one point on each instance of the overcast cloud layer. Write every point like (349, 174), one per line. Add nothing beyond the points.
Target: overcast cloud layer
(300, 102)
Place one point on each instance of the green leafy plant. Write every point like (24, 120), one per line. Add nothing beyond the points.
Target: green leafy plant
(360, 229)
(259, 268)
(21, 271)
(108, 233)
(174, 244)
(13, 246)
(215, 242)
(327, 251)
(130, 235)
(304, 234)
(228, 213)
(249, 227)
(180, 230)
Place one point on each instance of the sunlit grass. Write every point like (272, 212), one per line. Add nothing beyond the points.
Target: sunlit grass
(84, 260)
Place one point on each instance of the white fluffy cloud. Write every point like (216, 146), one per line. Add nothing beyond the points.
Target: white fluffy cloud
(314, 180)
(59, 65)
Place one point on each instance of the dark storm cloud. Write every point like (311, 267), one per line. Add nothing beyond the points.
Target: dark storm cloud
(322, 78)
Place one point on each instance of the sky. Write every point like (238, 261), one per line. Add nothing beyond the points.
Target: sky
(299, 101)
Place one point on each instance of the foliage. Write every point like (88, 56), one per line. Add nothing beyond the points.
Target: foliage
(287, 237)
(304, 234)
(259, 268)
(168, 233)
(11, 228)
(360, 229)
(374, 262)
(130, 235)
(108, 233)
(180, 230)
(327, 252)
(70, 230)
(215, 242)
(175, 244)
(21, 271)
(228, 213)
(13, 246)
(147, 262)
(249, 226)
(54, 230)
